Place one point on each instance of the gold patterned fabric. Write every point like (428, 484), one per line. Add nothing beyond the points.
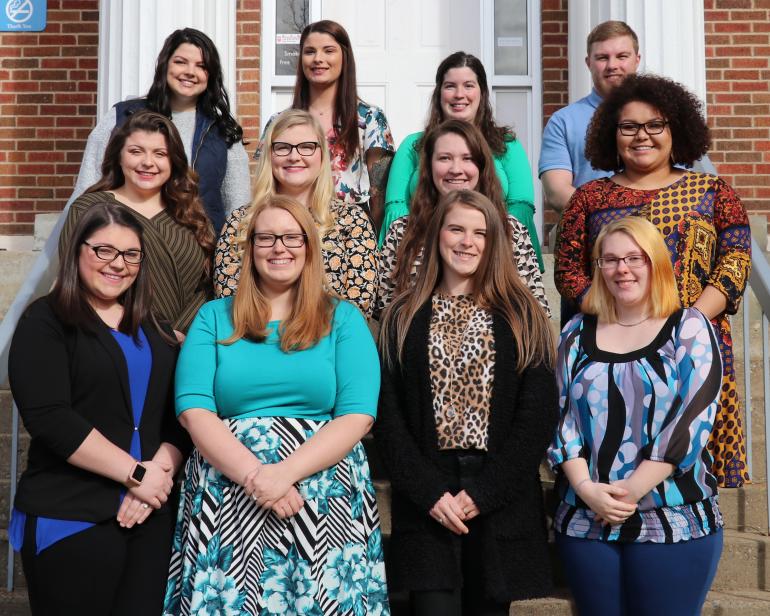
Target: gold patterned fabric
(706, 230)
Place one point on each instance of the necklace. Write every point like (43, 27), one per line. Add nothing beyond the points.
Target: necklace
(647, 318)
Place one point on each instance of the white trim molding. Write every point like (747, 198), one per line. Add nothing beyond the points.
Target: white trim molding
(131, 33)
(671, 39)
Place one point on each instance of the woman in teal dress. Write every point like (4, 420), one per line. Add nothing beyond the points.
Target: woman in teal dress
(277, 385)
(461, 93)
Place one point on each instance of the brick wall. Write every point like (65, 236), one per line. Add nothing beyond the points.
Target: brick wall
(47, 108)
(249, 27)
(738, 96)
(48, 105)
(555, 69)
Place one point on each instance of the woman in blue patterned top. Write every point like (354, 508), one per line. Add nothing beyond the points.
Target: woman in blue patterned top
(277, 384)
(638, 526)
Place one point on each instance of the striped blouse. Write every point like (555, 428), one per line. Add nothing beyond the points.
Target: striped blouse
(172, 254)
(619, 409)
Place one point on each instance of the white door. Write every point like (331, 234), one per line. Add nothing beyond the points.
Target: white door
(398, 45)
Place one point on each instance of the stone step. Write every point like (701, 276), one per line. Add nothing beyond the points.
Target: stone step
(745, 562)
(732, 603)
(14, 266)
(745, 509)
(14, 603)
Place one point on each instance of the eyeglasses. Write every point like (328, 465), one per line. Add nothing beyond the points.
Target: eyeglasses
(306, 148)
(653, 127)
(632, 261)
(105, 252)
(289, 240)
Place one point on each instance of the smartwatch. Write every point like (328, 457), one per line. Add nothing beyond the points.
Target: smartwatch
(137, 475)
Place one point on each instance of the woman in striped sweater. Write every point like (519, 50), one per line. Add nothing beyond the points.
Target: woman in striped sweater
(145, 170)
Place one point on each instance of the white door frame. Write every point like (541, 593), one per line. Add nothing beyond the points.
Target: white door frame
(530, 83)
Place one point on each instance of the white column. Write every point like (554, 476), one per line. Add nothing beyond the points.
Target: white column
(131, 33)
(671, 39)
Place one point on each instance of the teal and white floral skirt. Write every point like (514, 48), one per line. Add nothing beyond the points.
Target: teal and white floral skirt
(233, 558)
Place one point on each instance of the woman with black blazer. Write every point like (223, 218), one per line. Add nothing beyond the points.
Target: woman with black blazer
(467, 405)
(92, 374)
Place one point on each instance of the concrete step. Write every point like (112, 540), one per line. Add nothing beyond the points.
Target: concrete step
(745, 563)
(733, 603)
(745, 509)
(14, 266)
(14, 603)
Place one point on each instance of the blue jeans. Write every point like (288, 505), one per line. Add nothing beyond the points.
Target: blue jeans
(638, 579)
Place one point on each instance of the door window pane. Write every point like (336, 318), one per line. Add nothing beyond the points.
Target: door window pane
(511, 42)
(291, 17)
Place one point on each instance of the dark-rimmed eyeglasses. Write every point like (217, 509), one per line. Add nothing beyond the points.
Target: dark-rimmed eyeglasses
(289, 240)
(306, 148)
(653, 127)
(632, 261)
(105, 252)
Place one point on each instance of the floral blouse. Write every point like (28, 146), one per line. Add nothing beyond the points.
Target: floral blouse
(349, 251)
(523, 253)
(351, 177)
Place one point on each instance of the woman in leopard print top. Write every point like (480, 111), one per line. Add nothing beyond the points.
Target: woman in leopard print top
(468, 403)
(454, 155)
(348, 242)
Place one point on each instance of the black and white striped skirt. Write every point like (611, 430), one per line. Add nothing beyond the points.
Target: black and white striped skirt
(232, 557)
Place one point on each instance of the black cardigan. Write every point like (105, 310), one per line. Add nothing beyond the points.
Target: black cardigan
(507, 491)
(67, 381)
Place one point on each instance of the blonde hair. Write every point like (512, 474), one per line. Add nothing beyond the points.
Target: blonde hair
(497, 287)
(311, 315)
(663, 298)
(265, 184)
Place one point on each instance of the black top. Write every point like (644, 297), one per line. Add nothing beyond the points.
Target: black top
(67, 381)
(507, 490)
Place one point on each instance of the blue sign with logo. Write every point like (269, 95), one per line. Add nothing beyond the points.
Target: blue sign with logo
(22, 15)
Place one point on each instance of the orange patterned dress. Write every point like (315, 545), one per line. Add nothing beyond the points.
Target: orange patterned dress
(707, 234)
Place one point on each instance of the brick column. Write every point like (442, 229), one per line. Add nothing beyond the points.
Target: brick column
(47, 108)
(738, 99)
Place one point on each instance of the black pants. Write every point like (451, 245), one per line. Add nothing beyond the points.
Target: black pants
(470, 600)
(105, 570)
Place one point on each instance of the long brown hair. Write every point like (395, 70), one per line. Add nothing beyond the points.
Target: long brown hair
(68, 296)
(426, 196)
(311, 315)
(180, 193)
(497, 288)
(213, 101)
(346, 101)
(495, 136)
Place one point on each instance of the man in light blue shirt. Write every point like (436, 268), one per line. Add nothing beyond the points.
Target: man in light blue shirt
(613, 53)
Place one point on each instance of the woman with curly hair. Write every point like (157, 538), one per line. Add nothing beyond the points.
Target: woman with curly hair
(357, 133)
(145, 171)
(454, 156)
(461, 93)
(296, 164)
(187, 88)
(646, 130)
(277, 384)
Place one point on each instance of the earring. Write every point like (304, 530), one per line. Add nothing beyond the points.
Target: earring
(673, 162)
